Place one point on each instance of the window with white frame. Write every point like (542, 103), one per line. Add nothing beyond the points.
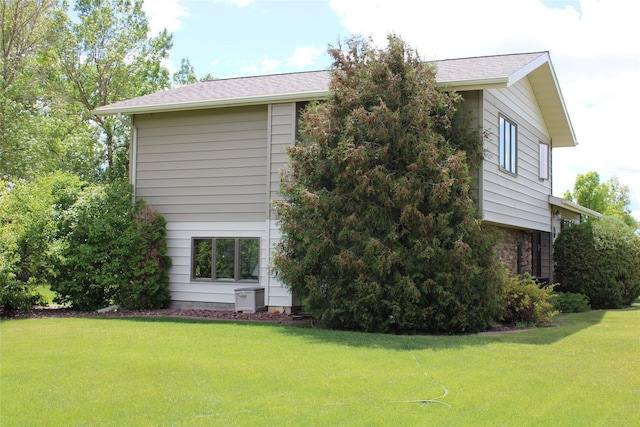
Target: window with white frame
(544, 160)
(226, 259)
(508, 145)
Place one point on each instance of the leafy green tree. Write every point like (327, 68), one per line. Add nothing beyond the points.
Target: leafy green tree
(29, 253)
(108, 57)
(28, 125)
(29, 215)
(185, 75)
(208, 77)
(608, 198)
(380, 232)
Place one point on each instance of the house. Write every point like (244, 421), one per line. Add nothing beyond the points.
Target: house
(207, 156)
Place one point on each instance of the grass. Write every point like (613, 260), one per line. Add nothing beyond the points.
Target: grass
(165, 372)
(46, 293)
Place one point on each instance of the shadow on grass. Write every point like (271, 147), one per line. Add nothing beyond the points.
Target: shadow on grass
(563, 327)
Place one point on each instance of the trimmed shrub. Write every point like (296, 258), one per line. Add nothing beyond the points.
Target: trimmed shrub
(527, 302)
(570, 302)
(600, 259)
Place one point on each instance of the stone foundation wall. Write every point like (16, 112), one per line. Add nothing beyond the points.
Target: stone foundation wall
(515, 251)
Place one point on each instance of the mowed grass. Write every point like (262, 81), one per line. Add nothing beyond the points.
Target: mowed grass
(165, 372)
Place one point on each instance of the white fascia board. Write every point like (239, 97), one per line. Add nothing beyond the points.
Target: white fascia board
(574, 207)
(562, 103)
(475, 84)
(215, 103)
(524, 71)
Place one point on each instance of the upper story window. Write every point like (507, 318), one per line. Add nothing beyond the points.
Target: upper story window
(225, 259)
(544, 160)
(508, 145)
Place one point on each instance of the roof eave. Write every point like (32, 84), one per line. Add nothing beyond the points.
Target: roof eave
(215, 103)
(475, 84)
(574, 207)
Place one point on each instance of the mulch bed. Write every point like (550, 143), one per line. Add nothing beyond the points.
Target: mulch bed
(261, 316)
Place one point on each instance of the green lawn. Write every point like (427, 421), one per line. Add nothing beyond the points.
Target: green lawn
(163, 372)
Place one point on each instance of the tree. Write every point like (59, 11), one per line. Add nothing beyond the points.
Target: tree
(112, 58)
(380, 232)
(185, 75)
(29, 31)
(608, 198)
(29, 215)
(29, 254)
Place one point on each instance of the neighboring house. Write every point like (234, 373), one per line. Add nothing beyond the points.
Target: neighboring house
(207, 156)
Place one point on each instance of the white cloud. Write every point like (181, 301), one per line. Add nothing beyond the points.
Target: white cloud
(595, 54)
(268, 65)
(239, 3)
(165, 14)
(264, 66)
(304, 56)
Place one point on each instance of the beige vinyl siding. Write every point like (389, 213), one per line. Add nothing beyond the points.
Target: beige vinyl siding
(283, 128)
(205, 165)
(520, 200)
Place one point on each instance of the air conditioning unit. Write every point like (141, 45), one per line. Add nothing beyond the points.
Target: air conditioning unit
(250, 300)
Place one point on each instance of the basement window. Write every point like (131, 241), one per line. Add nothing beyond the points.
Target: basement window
(230, 259)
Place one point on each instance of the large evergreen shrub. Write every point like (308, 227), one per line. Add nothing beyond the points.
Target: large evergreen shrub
(380, 232)
(600, 259)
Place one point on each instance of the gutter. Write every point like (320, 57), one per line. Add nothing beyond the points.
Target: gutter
(114, 109)
(211, 103)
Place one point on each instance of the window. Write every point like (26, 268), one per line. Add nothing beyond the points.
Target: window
(508, 145)
(235, 259)
(544, 161)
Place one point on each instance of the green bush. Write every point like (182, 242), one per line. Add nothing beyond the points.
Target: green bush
(148, 286)
(88, 242)
(570, 302)
(16, 296)
(528, 303)
(600, 259)
(114, 253)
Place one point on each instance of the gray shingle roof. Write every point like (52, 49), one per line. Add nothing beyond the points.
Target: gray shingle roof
(462, 72)
(485, 68)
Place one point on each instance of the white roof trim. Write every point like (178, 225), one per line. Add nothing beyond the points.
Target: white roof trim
(524, 71)
(574, 207)
(564, 106)
(212, 103)
(496, 82)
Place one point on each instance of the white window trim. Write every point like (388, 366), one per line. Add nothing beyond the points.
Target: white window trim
(507, 145)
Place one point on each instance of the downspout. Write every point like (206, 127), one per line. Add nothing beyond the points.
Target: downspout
(133, 157)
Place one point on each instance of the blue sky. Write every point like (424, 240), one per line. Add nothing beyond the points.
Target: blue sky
(593, 46)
